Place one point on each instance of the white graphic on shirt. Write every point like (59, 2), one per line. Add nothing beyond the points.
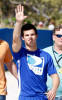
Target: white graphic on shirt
(36, 64)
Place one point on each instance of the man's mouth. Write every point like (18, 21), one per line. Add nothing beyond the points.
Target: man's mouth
(30, 40)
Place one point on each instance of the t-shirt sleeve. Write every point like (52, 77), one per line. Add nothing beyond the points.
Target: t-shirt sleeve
(8, 55)
(17, 55)
(51, 68)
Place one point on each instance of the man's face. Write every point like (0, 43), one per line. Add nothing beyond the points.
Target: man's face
(30, 37)
(57, 37)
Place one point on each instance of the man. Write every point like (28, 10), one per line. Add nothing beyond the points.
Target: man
(56, 53)
(5, 58)
(33, 64)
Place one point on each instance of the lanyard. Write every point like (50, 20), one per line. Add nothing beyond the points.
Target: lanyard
(56, 59)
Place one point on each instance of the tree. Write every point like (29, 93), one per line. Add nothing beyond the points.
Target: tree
(38, 10)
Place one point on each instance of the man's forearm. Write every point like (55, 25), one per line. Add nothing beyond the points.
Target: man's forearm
(56, 81)
(16, 37)
(12, 68)
(52, 93)
(17, 30)
(16, 46)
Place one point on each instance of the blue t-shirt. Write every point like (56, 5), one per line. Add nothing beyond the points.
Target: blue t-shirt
(33, 67)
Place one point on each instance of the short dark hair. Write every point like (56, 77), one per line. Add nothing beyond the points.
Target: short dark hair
(26, 27)
(57, 28)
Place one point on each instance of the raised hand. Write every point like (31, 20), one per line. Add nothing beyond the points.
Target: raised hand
(20, 13)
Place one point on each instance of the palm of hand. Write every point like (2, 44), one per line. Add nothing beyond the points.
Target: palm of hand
(20, 16)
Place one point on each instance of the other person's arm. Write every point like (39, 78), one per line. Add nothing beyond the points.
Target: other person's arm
(8, 60)
(12, 68)
(52, 93)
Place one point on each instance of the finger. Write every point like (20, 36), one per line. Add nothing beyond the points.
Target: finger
(25, 17)
(49, 95)
(53, 97)
(18, 8)
(16, 11)
(22, 9)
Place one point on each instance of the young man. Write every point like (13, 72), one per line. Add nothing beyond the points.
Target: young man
(5, 58)
(56, 53)
(33, 64)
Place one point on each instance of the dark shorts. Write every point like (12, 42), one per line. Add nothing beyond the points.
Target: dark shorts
(2, 97)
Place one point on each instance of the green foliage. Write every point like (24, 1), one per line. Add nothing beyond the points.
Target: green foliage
(34, 9)
(13, 19)
(27, 20)
(6, 21)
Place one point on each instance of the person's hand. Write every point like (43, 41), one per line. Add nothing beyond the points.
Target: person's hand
(51, 94)
(20, 13)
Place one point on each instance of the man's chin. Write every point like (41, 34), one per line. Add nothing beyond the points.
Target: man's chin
(31, 45)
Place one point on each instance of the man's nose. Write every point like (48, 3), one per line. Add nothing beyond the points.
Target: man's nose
(30, 36)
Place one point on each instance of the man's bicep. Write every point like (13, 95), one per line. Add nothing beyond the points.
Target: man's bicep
(54, 75)
(16, 46)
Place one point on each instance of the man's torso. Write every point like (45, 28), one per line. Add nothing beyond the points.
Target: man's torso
(32, 71)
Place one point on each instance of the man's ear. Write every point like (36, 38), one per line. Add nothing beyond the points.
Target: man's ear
(22, 38)
(36, 35)
(53, 36)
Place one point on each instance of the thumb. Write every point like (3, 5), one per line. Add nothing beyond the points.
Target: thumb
(25, 17)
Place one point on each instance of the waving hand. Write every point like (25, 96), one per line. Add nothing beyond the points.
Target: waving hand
(20, 13)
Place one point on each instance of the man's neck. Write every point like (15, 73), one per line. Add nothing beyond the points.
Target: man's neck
(58, 49)
(31, 48)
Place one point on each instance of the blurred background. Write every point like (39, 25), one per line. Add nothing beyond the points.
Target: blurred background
(41, 13)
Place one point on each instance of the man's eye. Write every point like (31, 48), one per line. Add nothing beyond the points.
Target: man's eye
(33, 34)
(26, 35)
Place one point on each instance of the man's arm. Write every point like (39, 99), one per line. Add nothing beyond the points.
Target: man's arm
(52, 93)
(12, 68)
(16, 46)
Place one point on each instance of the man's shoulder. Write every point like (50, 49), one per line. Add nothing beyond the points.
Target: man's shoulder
(48, 49)
(45, 53)
(4, 43)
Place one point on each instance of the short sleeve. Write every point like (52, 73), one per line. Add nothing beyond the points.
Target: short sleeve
(17, 55)
(8, 55)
